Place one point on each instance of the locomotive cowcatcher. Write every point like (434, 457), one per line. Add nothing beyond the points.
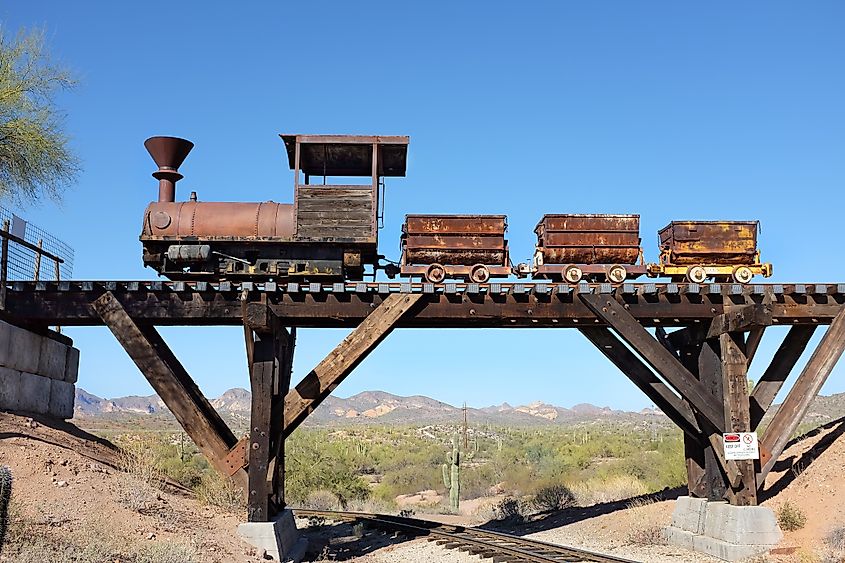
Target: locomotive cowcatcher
(330, 232)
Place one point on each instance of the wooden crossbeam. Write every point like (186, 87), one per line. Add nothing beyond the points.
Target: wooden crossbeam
(665, 363)
(172, 383)
(640, 375)
(773, 378)
(802, 394)
(323, 379)
(741, 319)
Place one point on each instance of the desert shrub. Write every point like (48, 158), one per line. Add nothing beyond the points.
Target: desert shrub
(610, 489)
(165, 552)
(510, 509)
(835, 539)
(790, 517)
(218, 491)
(553, 497)
(321, 500)
(647, 536)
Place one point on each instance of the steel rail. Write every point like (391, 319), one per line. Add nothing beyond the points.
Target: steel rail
(485, 543)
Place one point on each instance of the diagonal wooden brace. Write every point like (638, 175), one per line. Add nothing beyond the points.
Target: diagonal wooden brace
(774, 377)
(173, 384)
(324, 378)
(802, 394)
(640, 375)
(666, 364)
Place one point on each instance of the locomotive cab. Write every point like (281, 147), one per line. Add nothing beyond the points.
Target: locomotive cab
(330, 232)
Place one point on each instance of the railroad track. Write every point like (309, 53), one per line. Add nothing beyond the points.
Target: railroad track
(501, 548)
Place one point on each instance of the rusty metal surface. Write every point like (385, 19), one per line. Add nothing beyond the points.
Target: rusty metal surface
(709, 242)
(168, 153)
(455, 240)
(218, 219)
(347, 155)
(494, 305)
(588, 239)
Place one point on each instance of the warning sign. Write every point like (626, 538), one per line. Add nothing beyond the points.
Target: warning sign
(741, 445)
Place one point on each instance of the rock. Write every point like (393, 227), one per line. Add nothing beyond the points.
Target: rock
(151, 536)
(61, 484)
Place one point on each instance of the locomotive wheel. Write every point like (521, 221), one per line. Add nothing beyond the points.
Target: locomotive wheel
(617, 273)
(435, 273)
(573, 274)
(479, 273)
(696, 274)
(742, 274)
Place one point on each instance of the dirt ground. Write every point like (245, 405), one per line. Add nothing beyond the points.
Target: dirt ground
(75, 498)
(67, 489)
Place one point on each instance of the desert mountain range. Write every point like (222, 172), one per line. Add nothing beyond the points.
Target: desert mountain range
(377, 407)
(368, 406)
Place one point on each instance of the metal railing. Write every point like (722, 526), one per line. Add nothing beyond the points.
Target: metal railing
(29, 253)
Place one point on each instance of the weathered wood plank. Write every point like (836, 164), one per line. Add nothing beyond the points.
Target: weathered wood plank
(773, 378)
(260, 453)
(806, 387)
(752, 343)
(172, 383)
(323, 379)
(741, 319)
(657, 356)
(737, 417)
(719, 475)
(640, 375)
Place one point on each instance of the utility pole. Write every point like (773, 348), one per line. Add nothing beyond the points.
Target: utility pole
(466, 443)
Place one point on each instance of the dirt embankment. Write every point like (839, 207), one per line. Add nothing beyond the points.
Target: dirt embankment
(70, 502)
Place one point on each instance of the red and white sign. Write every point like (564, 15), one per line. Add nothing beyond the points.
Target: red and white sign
(741, 445)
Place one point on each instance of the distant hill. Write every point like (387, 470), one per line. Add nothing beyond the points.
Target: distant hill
(371, 407)
(379, 407)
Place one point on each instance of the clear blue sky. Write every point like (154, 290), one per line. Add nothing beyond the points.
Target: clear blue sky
(672, 110)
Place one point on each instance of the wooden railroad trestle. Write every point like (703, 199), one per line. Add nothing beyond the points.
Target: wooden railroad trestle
(697, 374)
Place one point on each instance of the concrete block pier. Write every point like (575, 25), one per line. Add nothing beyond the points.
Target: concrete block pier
(278, 538)
(37, 372)
(722, 530)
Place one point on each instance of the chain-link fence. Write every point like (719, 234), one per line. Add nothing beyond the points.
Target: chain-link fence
(23, 262)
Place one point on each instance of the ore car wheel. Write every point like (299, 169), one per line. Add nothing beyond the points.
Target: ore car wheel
(479, 273)
(742, 274)
(617, 273)
(696, 274)
(435, 273)
(573, 274)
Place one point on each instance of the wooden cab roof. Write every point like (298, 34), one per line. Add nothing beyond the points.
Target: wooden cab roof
(347, 155)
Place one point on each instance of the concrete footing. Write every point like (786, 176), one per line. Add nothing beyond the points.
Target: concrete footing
(37, 372)
(722, 530)
(279, 539)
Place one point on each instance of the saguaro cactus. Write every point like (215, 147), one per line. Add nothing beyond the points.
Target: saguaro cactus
(5, 495)
(452, 472)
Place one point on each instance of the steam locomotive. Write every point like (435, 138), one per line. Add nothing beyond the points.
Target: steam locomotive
(330, 232)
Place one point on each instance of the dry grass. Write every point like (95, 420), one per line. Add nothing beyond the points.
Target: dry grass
(646, 525)
(139, 485)
(321, 500)
(595, 491)
(220, 492)
(36, 540)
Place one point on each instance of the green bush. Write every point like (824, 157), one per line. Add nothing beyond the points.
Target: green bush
(790, 517)
(553, 497)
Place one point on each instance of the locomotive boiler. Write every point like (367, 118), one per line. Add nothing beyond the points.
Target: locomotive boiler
(330, 232)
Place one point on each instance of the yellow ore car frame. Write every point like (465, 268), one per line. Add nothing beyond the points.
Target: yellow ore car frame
(694, 251)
